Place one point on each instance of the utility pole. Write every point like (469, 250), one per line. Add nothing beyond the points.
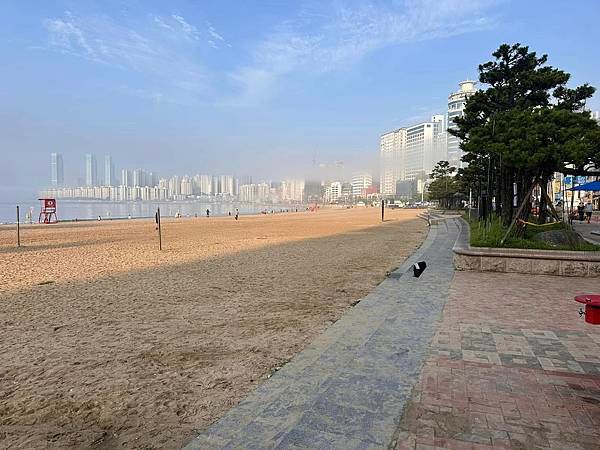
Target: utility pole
(159, 230)
(18, 228)
(470, 202)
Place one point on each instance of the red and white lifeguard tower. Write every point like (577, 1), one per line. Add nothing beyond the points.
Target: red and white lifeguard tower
(48, 211)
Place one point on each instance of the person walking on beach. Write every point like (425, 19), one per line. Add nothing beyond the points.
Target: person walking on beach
(588, 209)
(207, 212)
(237, 214)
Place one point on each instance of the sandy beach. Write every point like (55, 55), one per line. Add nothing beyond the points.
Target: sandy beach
(107, 342)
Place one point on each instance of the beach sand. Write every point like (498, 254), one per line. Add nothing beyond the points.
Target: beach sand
(107, 342)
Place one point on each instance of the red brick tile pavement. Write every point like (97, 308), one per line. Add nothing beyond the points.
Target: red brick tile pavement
(486, 383)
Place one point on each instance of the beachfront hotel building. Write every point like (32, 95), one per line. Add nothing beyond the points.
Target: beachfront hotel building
(91, 170)
(410, 153)
(456, 106)
(57, 176)
(361, 181)
(418, 152)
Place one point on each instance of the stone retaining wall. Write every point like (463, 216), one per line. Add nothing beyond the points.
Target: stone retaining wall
(538, 262)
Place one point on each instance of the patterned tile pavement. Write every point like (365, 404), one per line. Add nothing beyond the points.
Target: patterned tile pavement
(511, 366)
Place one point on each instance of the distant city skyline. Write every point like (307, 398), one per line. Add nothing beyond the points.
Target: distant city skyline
(251, 87)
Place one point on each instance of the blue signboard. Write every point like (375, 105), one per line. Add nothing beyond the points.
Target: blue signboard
(578, 180)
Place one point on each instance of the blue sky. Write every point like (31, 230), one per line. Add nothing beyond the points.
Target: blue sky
(250, 87)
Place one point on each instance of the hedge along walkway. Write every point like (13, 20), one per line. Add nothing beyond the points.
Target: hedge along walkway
(349, 388)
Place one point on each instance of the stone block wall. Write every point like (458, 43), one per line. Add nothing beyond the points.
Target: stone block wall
(535, 262)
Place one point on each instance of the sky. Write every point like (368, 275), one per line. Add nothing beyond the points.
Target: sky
(264, 88)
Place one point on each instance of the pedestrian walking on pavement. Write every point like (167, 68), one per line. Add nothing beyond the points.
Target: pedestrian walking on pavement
(588, 209)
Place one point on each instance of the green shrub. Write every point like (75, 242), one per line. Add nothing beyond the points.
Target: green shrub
(490, 233)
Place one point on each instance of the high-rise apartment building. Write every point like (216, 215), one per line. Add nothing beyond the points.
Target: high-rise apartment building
(203, 184)
(391, 148)
(411, 152)
(56, 169)
(418, 153)
(126, 178)
(335, 191)
(186, 186)
(109, 171)
(254, 193)
(91, 170)
(292, 190)
(361, 181)
(174, 186)
(440, 136)
(456, 106)
(226, 185)
(139, 177)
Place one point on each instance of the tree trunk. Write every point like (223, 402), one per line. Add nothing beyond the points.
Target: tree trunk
(499, 191)
(543, 204)
(507, 194)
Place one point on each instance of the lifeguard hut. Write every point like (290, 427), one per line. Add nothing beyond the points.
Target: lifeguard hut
(48, 211)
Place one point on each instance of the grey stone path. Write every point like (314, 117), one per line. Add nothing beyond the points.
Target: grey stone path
(347, 390)
(589, 231)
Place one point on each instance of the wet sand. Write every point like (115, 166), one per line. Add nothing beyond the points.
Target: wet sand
(107, 342)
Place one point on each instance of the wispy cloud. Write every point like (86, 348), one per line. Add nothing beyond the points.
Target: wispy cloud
(189, 30)
(349, 34)
(164, 49)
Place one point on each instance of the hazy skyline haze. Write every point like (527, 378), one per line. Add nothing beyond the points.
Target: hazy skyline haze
(258, 88)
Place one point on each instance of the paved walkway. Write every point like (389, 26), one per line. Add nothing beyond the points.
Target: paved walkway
(349, 388)
(511, 366)
(589, 231)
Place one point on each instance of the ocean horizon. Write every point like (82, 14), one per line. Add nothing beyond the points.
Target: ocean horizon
(91, 210)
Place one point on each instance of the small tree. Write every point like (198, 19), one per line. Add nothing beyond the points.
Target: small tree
(444, 187)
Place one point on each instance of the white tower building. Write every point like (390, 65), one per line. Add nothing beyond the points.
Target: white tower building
(456, 106)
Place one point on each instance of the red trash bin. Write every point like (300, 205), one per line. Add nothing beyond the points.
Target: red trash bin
(592, 307)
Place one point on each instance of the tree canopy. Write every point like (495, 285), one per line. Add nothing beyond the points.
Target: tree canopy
(523, 127)
(445, 188)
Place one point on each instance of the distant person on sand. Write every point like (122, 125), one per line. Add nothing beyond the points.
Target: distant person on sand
(588, 209)
(207, 212)
(237, 214)
(229, 213)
